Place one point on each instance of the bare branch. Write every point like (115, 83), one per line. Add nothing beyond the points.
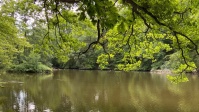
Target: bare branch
(182, 13)
(196, 46)
(136, 6)
(47, 19)
(182, 51)
(57, 38)
(115, 2)
(95, 42)
(128, 40)
(57, 18)
(142, 17)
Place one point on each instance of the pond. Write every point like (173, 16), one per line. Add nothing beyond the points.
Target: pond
(97, 91)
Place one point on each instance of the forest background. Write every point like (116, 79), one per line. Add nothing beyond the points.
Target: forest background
(38, 35)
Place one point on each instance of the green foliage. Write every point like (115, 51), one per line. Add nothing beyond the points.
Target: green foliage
(105, 11)
(127, 35)
(10, 44)
(177, 64)
(129, 67)
(31, 64)
(173, 62)
(102, 60)
(186, 68)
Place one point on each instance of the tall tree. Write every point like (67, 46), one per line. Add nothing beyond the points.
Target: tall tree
(10, 44)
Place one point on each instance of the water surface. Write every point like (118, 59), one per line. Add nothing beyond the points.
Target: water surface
(97, 91)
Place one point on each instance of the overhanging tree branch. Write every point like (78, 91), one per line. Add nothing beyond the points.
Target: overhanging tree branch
(196, 47)
(99, 36)
(182, 51)
(95, 42)
(137, 7)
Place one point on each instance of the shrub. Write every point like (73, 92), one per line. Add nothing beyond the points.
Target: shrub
(30, 65)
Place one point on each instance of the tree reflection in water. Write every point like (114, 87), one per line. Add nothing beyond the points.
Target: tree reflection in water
(105, 91)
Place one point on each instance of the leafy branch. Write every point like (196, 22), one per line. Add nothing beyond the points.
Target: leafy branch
(137, 7)
(182, 52)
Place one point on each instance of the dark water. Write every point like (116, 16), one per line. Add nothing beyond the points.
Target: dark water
(97, 91)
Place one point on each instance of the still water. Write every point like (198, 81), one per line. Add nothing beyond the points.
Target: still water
(97, 91)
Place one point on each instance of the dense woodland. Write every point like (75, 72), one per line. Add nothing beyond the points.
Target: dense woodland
(38, 35)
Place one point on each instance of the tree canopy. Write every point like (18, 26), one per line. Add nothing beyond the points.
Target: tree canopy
(114, 34)
(138, 25)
